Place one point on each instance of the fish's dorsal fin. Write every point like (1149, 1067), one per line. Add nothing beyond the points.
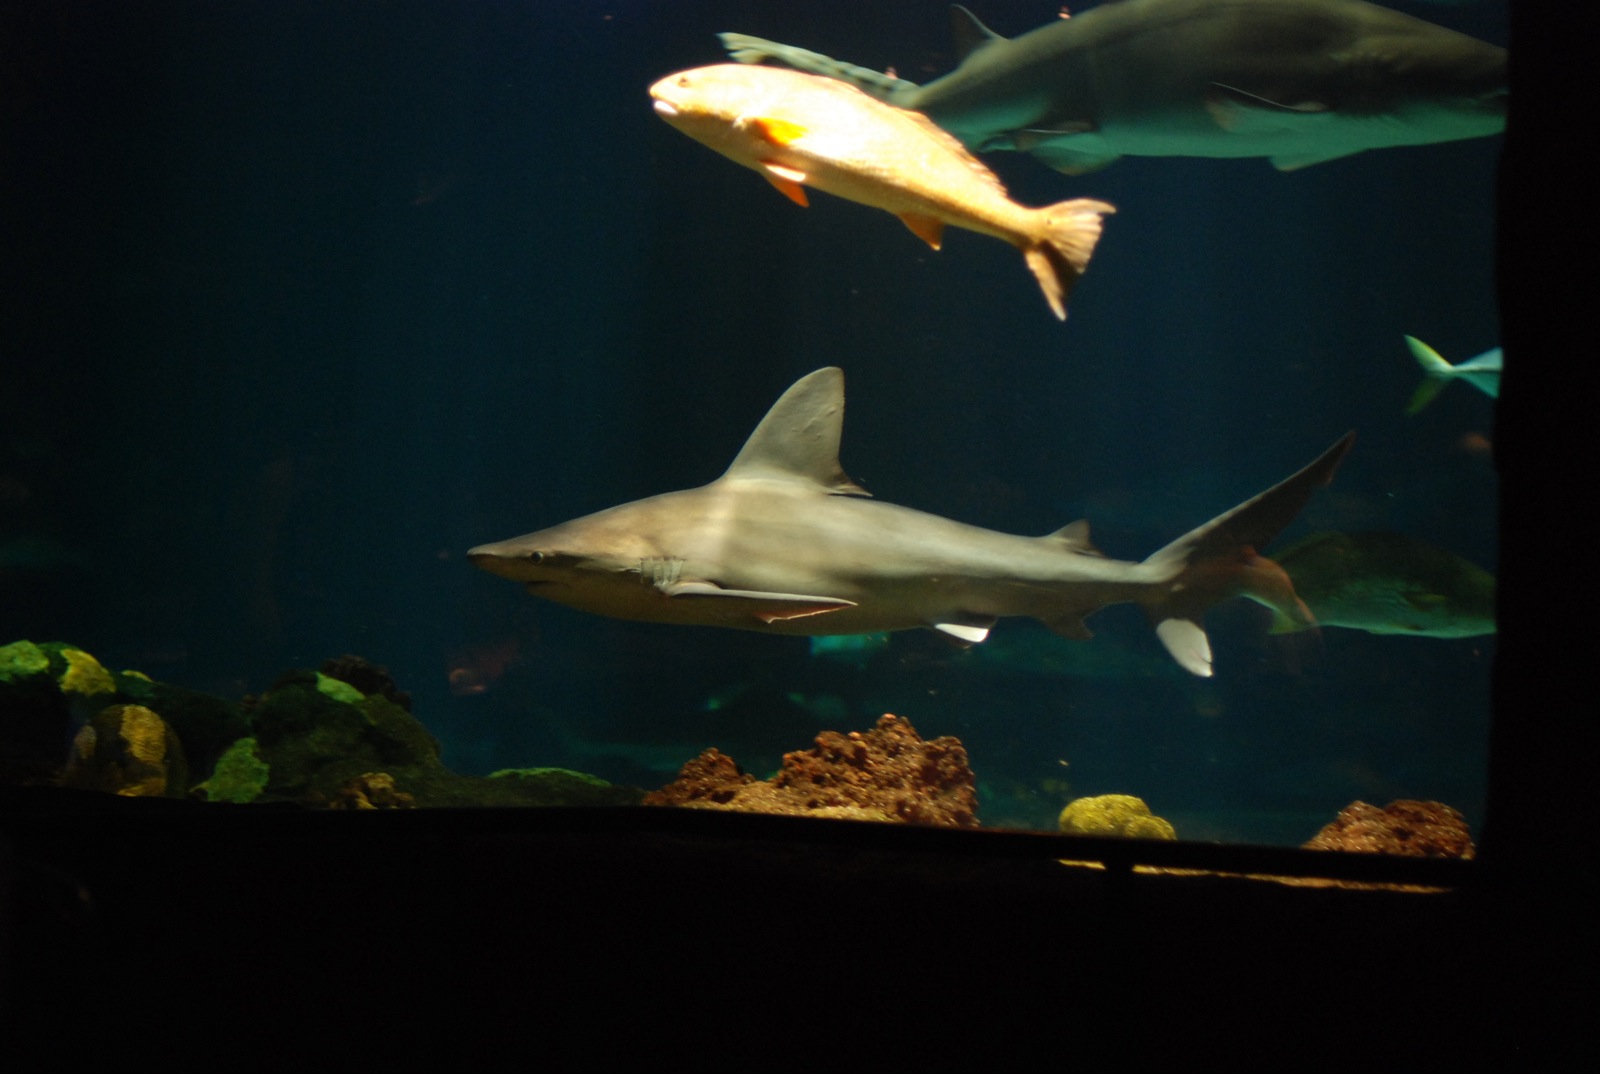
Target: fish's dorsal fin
(798, 440)
(969, 32)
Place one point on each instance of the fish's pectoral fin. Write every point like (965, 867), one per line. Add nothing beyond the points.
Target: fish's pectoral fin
(767, 607)
(789, 181)
(778, 131)
(1186, 640)
(930, 229)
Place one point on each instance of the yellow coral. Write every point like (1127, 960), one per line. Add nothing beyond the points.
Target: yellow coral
(145, 733)
(1114, 814)
(85, 676)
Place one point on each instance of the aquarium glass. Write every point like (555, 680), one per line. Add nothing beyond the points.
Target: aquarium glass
(304, 300)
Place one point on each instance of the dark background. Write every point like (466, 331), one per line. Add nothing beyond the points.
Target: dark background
(301, 300)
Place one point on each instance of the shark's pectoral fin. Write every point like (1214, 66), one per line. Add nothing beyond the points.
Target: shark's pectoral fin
(767, 607)
(930, 229)
(789, 181)
(1234, 109)
(1248, 115)
(1186, 640)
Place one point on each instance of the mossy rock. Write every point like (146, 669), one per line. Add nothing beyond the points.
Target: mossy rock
(1115, 815)
(240, 776)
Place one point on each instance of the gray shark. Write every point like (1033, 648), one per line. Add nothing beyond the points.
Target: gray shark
(785, 543)
(1296, 81)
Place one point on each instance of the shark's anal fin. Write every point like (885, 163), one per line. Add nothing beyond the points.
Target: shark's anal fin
(789, 181)
(767, 607)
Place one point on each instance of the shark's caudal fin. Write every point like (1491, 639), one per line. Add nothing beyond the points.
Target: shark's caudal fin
(885, 87)
(1061, 245)
(1220, 560)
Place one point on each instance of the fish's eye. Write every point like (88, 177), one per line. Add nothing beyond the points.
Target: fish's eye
(535, 557)
(683, 81)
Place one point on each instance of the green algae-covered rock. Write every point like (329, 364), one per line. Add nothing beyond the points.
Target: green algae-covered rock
(240, 776)
(338, 689)
(560, 787)
(22, 660)
(1114, 814)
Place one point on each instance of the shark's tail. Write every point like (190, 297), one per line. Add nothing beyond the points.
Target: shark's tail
(1220, 560)
(1058, 252)
(885, 87)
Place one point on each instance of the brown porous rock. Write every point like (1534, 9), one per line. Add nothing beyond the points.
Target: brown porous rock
(888, 773)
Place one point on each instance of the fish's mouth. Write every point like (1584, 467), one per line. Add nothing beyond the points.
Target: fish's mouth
(665, 108)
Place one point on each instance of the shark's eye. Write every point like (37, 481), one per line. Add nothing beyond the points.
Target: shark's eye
(535, 557)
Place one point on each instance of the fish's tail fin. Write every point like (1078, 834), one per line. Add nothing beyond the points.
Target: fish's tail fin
(757, 50)
(1058, 252)
(1436, 373)
(1219, 560)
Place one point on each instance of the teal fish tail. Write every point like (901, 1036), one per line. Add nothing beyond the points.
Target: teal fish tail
(1437, 373)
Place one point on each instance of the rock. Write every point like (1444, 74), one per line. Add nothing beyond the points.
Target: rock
(888, 773)
(1409, 827)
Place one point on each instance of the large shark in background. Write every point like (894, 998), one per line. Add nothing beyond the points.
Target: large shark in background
(1296, 81)
(785, 543)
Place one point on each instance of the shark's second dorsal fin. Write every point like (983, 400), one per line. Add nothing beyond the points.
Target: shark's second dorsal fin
(1075, 535)
(799, 437)
(970, 34)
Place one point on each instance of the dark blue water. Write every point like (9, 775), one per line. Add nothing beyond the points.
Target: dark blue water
(305, 299)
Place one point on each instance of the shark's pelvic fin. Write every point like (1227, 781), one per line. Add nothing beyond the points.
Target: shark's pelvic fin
(798, 440)
(964, 633)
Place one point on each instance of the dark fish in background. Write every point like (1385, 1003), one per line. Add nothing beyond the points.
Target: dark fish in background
(1387, 583)
(1296, 81)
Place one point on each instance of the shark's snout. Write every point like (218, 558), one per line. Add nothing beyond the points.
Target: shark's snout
(496, 559)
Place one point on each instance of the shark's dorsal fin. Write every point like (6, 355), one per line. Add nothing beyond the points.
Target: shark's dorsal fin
(1075, 535)
(799, 438)
(970, 34)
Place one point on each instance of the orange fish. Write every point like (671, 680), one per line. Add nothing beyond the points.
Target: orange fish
(801, 130)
